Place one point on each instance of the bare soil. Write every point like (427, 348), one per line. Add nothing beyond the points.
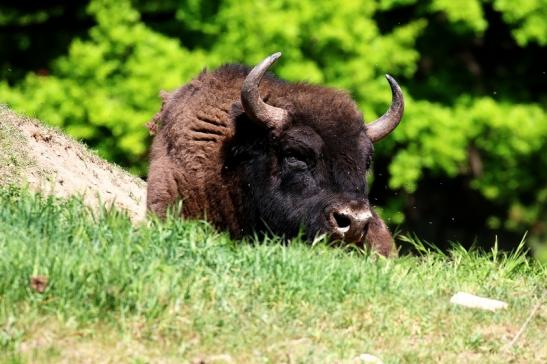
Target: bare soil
(51, 163)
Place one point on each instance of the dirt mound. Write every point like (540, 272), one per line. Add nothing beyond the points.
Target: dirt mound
(53, 163)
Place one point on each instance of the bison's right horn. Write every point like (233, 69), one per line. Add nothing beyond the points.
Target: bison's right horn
(389, 121)
(273, 117)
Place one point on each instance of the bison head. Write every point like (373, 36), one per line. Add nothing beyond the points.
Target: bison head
(302, 155)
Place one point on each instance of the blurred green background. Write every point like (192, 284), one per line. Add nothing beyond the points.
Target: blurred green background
(468, 163)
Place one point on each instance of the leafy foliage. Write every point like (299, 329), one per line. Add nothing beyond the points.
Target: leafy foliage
(473, 81)
(527, 19)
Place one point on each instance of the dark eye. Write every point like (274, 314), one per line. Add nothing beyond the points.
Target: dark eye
(294, 161)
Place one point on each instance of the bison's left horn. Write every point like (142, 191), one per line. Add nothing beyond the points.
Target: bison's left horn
(381, 127)
(273, 117)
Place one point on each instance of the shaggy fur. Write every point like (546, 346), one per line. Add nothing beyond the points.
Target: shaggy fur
(247, 179)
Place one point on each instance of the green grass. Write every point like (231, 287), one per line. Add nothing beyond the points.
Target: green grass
(178, 291)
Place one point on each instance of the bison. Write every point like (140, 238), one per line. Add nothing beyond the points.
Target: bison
(254, 154)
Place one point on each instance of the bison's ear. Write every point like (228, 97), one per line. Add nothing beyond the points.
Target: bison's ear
(236, 110)
(379, 238)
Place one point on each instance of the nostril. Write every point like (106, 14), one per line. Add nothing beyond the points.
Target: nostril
(342, 221)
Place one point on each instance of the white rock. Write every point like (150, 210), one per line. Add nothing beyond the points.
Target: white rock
(472, 301)
(368, 359)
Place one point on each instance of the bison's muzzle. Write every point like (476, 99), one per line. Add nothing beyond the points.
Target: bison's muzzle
(349, 223)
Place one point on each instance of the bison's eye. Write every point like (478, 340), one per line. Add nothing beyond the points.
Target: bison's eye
(294, 161)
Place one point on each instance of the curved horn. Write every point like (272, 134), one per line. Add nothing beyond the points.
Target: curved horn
(381, 127)
(273, 117)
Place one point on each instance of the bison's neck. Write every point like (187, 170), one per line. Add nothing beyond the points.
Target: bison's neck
(203, 186)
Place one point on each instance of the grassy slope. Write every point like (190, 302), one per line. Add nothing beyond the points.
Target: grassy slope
(178, 291)
(13, 150)
(46, 160)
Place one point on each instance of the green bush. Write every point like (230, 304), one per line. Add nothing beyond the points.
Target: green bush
(462, 121)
